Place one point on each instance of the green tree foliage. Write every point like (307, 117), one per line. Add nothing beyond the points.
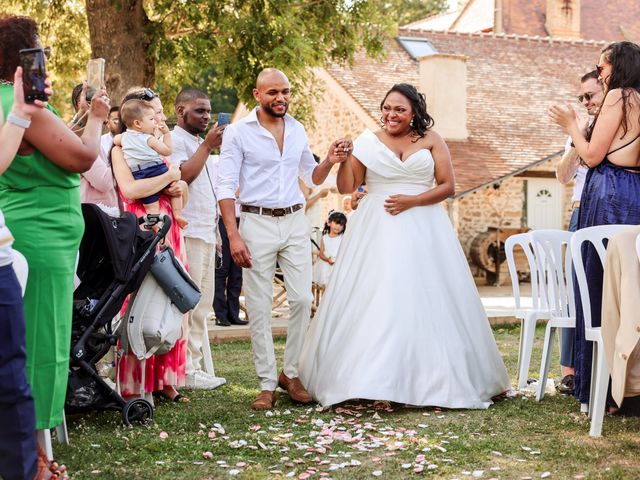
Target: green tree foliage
(239, 38)
(220, 46)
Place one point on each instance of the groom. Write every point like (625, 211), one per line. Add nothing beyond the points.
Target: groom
(263, 154)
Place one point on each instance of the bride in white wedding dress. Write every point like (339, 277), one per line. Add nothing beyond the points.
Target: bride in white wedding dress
(401, 319)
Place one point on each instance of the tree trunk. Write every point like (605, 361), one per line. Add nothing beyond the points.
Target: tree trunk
(119, 33)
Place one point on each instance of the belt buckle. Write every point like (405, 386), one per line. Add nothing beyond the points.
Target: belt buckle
(278, 212)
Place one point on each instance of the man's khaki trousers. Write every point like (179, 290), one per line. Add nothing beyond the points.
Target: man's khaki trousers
(285, 240)
(201, 257)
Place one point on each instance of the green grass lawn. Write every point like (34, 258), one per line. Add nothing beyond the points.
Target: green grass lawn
(515, 438)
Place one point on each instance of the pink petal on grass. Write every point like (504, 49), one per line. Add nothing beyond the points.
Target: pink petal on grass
(207, 455)
(163, 435)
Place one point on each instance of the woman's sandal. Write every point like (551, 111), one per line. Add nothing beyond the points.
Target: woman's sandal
(50, 470)
(164, 396)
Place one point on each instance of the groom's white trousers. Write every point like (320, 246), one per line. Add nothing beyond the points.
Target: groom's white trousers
(285, 240)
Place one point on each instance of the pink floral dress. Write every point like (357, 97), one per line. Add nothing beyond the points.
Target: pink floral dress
(169, 368)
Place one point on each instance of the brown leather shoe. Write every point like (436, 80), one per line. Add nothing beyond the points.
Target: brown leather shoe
(294, 388)
(265, 401)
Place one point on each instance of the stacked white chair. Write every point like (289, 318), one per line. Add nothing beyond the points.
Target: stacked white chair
(553, 253)
(528, 316)
(600, 370)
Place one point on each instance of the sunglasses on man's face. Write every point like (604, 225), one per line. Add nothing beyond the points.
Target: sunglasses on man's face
(586, 96)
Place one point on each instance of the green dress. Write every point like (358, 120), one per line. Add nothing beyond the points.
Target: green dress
(41, 204)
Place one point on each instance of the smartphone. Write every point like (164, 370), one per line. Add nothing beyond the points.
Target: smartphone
(95, 73)
(224, 119)
(34, 74)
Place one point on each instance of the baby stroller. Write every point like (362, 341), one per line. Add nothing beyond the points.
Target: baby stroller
(115, 256)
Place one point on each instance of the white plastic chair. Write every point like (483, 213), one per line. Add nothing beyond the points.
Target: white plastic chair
(528, 316)
(599, 369)
(553, 253)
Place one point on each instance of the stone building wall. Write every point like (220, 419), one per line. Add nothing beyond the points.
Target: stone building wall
(500, 205)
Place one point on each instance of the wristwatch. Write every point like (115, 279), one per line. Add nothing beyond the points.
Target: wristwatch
(19, 121)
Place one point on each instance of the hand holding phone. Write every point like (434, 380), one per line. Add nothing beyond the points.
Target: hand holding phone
(95, 73)
(20, 107)
(34, 74)
(224, 119)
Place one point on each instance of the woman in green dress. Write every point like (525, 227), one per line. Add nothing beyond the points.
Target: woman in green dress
(40, 198)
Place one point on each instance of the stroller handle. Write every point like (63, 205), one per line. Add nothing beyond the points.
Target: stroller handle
(150, 220)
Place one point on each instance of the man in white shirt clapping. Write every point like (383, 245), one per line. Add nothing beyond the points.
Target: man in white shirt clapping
(264, 154)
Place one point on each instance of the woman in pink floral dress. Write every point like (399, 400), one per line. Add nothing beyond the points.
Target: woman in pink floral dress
(163, 373)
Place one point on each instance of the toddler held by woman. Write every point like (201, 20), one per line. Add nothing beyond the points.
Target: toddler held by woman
(142, 151)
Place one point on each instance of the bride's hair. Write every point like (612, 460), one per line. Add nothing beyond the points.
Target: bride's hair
(422, 121)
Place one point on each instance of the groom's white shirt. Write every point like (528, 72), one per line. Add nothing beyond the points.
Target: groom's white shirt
(250, 158)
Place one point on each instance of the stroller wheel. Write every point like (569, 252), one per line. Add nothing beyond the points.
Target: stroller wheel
(137, 410)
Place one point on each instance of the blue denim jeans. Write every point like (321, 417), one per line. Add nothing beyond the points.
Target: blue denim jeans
(18, 458)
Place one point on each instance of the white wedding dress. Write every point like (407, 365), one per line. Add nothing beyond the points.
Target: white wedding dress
(401, 319)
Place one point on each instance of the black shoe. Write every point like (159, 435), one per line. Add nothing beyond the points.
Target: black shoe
(567, 385)
(237, 321)
(222, 322)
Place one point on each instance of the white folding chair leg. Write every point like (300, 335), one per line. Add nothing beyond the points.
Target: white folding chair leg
(594, 373)
(206, 353)
(61, 431)
(547, 352)
(598, 402)
(44, 440)
(528, 334)
(520, 348)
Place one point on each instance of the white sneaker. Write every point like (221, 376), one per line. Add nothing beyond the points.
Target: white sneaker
(200, 380)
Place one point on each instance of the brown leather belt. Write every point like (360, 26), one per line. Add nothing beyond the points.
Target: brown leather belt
(575, 204)
(271, 212)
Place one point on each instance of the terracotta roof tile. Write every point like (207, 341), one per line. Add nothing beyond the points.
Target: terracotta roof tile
(511, 82)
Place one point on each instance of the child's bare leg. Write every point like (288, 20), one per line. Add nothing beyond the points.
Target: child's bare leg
(177, 203)
(184, 187)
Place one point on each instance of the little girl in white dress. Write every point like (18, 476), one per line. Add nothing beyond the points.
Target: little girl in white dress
(331, 238)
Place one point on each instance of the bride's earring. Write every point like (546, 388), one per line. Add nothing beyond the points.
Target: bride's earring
(411, 123)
